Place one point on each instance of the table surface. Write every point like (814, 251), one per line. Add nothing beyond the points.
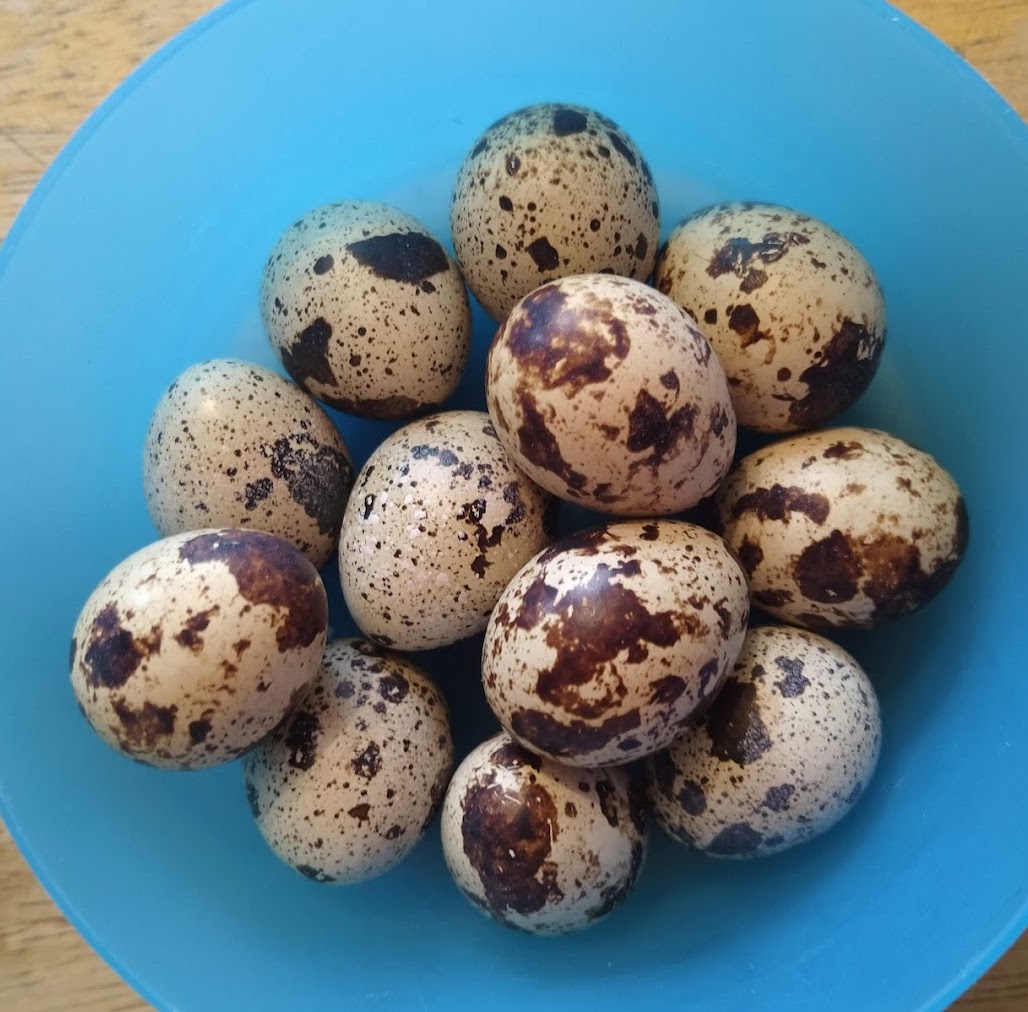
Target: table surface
(58, 59)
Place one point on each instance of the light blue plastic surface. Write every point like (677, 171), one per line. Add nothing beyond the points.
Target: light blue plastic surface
(140, 253)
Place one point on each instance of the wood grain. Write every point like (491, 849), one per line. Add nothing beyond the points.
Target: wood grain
(58, 58)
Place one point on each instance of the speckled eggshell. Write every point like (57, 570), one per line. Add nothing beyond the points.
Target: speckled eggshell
(231, 444)
(843, 528)
(344, 790)
(539, 846)
(608, 395)
(366, 310)
(439, 521)
(546, 192)
(783, 753)
(606, 645)
(792, 308)
(194, 648)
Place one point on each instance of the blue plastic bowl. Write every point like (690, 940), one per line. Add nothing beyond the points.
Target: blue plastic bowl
(140, 253)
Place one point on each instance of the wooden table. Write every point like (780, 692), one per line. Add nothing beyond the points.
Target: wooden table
(58, 58)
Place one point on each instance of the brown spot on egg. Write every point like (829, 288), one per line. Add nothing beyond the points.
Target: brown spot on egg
(546, 258)
(736, 254)
(750, 555)
(360, 813)
(692, 797)
(393, 687)
(142, 728)
(737, 734)
(392, 407)
(794, 683)
(736, 840)
(753, 280)
(409, 257)
(199, 729)
(606, 795)
(611, 896)
(113, 653)
(562, 348)
(540, 446)
(745, 322)
(590, 625)
(777, 502)
(302, 740)
(847, 365)
(844, 451)
(314, 874)
(512, 756)
(252, 799)
(268, 571)
(666, 691)
(507, 836)
(369, 762)
(318, 477)
(568, 121)
(777, 798)
(306, 359)
(189, 635)
(651, 427)
(894, 577)
(772, 598)
(573, 737)
(827, 570)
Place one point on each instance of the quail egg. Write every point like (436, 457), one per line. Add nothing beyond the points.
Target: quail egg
(538, 846)
(783, 753)
(194, 648)
(366, 310)
(349, 784)
(548, 191)
(792, 308)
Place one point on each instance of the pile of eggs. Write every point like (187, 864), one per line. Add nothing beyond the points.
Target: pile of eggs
(620, 661)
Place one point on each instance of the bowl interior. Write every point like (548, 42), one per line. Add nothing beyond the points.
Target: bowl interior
(140, 254)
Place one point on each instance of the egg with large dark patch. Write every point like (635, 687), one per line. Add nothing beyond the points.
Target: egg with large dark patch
(231, 444)
(792, 308)
(843, 528)
(194, 648)
(439, 521)
(366, 310)
(344, 790)
(607, 644)
(608, 395)
(782, 754)
(538, 846)
(546, 192)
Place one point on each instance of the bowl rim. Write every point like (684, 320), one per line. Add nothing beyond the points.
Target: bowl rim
(963, 977)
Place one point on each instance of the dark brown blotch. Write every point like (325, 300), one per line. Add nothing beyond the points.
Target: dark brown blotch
(573, 737)
(778, 502)
(586, 639)
(828, 571)
(189, 635)
(652, 427)
(307, 358)
(143, 728)
(507, 836)
(113, 654)
(737, 733)
(319, 478)
(268, 571)
(369, 762)
(736, 840)
(409, 257)
(846, 367)
(540, 446)
(302, 740)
